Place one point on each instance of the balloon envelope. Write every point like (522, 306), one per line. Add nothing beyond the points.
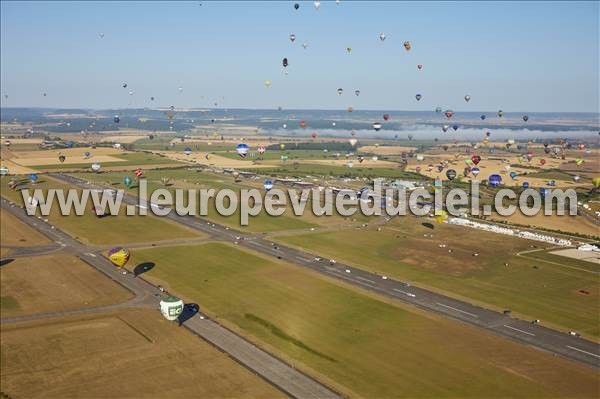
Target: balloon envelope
(119, 256)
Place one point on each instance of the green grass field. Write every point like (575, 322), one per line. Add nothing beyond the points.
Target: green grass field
(133, 159)
(371, 348)
(400, 250)
(106, 230)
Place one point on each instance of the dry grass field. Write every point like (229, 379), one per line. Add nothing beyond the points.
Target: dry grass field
(130, 354)
(55, 282)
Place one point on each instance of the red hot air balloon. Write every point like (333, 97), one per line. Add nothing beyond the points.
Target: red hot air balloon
(314, 135)
(449, 113)
(386, 117)
(476, 159)
(303, 124)
(542, 162)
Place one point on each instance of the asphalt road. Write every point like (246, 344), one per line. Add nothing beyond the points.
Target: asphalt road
(521, 331)
(281, 375)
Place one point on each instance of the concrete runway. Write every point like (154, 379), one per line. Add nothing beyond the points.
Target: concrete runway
(525, 332)
(275, 371)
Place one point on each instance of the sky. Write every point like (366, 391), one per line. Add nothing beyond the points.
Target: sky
(515, 56)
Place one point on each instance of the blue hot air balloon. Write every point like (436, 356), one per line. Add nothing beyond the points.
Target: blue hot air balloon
(495, 180)
(117, 119)
(268, 185)
(544, 192)
(33, 177)
(525, 185)
(482, 117)
(513, 175)
(127, 181)
(187, 150)
(242, 150)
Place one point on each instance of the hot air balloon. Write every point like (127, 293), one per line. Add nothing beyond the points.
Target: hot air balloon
(340, 91)
(596, 181)
(377, 126)
(418, 97)
(450, 174)
(138, 173)
(187, 150)
(296, 6)
(268, 184)
(348, 50)
(261, 149)
(495, 180)
(127, 181)
(267, 83)
(407, 45)
(482, 117)
(382, 36)
(386, 117)
(455, 127)
(285, 62)
(440, 216)
(350, 109)
(419, 66)
(467, 98)
(303, 124)
(62, 158)
(317, 4)
(476, 159)
(33, 177)
(357, 92)
(525, 118)
(445, 128)
(525, 185)
(116, 119)
(475, 171)
(513, 175)
(542, 162)
(449, 113)
(281, 146)
(313, 135)
(292, 38)
(171, 308)
(96, 167)
(242, 150)
(576, 179)
(418, 169)
(119, 256)
(353, 142)
(500, 113)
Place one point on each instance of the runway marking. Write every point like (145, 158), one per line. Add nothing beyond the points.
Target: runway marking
(582, 351)
(365, 279)
(516, 329)
(458, 310)
(404, 292)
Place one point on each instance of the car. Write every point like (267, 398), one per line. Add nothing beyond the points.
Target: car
(124, 272)
(348, 271)
(384, 277)
(573, 333)
(332, 261)
(506, 312)
(536, 321)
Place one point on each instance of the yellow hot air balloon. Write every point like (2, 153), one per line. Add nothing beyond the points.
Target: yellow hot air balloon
(579, 161)
(596, 181)
(119, 256)
(268, 83)
(440, 216)
(282, 146)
